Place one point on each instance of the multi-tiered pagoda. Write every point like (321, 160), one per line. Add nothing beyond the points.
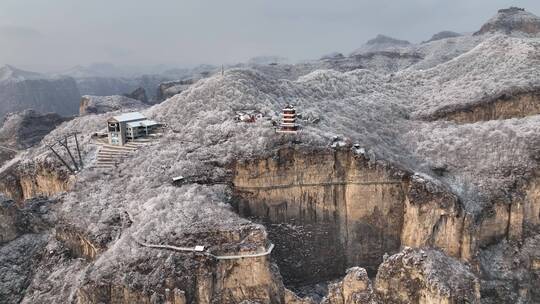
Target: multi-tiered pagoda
(288, 120)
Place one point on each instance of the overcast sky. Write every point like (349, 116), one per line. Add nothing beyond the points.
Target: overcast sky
(57, 34)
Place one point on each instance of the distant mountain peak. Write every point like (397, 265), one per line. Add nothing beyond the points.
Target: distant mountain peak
(383, 39)
(9, 72)
(443, 35)
(381, 43)
(513, 19)
(268, 60)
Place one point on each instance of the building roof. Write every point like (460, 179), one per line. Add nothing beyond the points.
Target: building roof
(142, 123)
(129, 117)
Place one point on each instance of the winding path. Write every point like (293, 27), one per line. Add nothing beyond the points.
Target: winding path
(200, 249)
(9, 149)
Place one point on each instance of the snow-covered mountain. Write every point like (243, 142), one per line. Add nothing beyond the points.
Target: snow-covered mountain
(22, 130)
(107, 79)
(443, 35)
(381, 43)
(11, 73)
(379, 158)
(20, 90)
(267, 60)
(512, 20)
(104, 104)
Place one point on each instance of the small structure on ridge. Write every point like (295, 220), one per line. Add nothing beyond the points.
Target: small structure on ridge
(288, 120)
(128, 126)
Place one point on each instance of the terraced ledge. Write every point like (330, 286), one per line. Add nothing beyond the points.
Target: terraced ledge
(513, 104)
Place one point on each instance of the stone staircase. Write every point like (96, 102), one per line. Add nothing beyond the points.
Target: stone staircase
(109, 156)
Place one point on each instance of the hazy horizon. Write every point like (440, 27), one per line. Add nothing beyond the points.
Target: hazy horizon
(57, 35)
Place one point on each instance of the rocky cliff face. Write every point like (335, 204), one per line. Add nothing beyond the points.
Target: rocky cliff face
(508, 105)
(25, 129)
(138, 94)
(20, 90)
(39, 179)
(334, 204)
(331, 204)
(171, 88)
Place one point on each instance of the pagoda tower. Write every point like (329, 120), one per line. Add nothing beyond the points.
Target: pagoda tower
(288, 120)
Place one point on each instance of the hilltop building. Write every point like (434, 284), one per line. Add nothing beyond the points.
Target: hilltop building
(288, 120)
(128, 126)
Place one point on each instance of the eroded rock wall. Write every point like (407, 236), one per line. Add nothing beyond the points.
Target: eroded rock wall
(336, 204)
(505, 106)
(168, 276)
(434, 217)
(40, 179)
(80, 245)
(332, 203)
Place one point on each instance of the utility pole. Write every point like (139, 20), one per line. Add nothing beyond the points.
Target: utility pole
(61, 159)
(65, 145)
(64, 142)
(79, 150)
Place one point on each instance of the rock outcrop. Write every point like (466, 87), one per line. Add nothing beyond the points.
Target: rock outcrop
(512, 20)
(355, 288)
(169, 89)
(425, 276)
(139, 94)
